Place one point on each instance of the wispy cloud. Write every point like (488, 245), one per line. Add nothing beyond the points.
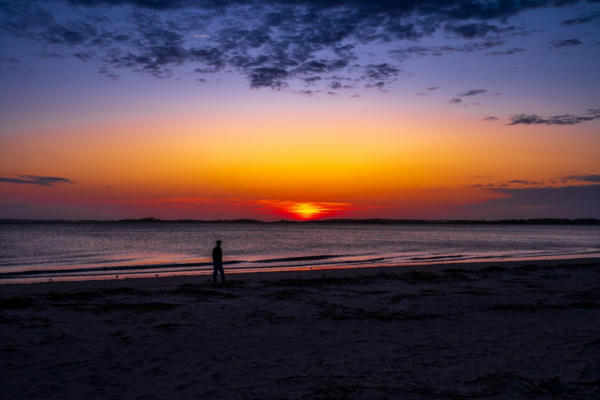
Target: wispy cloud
(563, 119)
(35, 180)
(476, 30)
(506, 52)
(584, 19)
(472, 92)
(565, 43)
(512, 183)
(583, 178)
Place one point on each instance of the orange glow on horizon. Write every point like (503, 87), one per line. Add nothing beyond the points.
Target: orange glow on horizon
(303, 210)
(306, 210)
(310, 164)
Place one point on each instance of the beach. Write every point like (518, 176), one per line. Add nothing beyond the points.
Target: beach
(500, 330)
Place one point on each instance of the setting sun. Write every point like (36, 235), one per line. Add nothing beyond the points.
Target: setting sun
(306, 210)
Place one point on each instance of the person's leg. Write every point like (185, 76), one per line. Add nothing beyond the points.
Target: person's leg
(214, 274)
(222, 271)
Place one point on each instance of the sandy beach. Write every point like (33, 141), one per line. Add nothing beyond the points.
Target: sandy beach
(461, 331)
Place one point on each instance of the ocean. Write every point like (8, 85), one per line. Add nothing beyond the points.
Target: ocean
(86, 251)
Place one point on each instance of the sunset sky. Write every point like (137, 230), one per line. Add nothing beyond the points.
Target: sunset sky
(295, 109)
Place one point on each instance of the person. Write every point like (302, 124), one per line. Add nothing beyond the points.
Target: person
(217, 256)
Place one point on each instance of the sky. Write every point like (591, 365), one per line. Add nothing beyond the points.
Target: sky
(274, 109)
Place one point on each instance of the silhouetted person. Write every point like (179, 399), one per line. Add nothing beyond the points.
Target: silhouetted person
(217, 256)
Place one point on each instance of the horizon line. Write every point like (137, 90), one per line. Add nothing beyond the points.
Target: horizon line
(557, 221)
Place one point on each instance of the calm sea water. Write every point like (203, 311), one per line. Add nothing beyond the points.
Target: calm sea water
(33, 253)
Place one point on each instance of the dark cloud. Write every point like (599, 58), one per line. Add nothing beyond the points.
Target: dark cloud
(543, 202)
(564, 119)
(381, 72)
(525, 182)
(505, 52)
(584, 178)
(509, 184)
(565, 43)
(433, 88)
(35, 180)
(271, 42)
(472, 92)
(581, 20)
(421, 51)
(9, 60)
(490, 118)
(379, 85)
(268, 77)
(459, 10)
(83, 56)
(476, 30)
(455, 101)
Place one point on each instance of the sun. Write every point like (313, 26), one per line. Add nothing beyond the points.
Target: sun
(306, 210)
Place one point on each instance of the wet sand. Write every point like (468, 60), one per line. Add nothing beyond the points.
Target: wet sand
(455, 331)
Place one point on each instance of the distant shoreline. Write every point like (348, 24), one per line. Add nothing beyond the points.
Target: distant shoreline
(374, 221)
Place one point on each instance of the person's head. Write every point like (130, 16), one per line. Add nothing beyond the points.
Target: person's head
(219, 243)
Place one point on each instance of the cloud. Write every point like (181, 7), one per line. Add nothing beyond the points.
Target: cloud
(272, 43)
(490, 118)
(473, 92)
(581, 20)
(565, 43)
(433, 88)
(380, 74)
(525, 182)
(509, 184)
(274, 78)
(475, 30)
(505, 52)
(583, 178)
(542, 202)
(564, 119)
(35, 180)
(455, 101)
(421, 51)
(9, 60)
